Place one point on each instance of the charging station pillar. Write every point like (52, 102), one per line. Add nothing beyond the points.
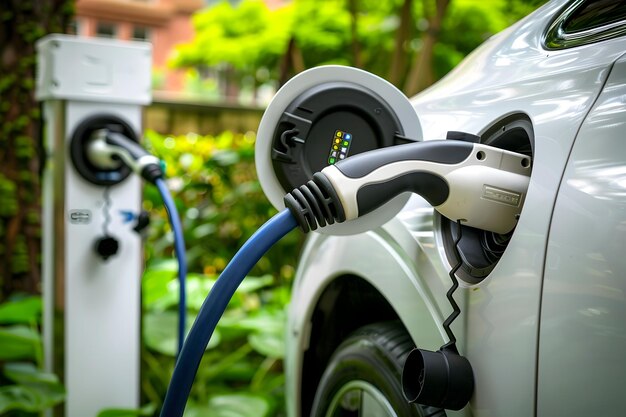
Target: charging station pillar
(92, 306)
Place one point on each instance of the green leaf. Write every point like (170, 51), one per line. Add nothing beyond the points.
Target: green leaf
(198, 287)
(225, 158)
(146, 410)
(204, 230)
(157, 290)
(8, 196)
(160, 332)
(36, 391)
(26, 373)
(232, 405)
(265, 321)
(18, 342)
(24, 311)
(15, 397)
(268, 344)
(170, 265)
(252, 284)
(242, 371)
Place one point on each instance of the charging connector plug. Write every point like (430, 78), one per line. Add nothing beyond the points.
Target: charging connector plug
(108, 149)
(481, 185)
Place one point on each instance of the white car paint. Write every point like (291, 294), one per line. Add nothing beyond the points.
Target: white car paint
(582, 321)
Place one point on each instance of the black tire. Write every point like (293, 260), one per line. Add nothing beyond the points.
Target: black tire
(370, 360)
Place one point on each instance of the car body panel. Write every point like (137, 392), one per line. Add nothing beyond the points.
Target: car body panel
(378, 258)
(582, 370)
(511, 73)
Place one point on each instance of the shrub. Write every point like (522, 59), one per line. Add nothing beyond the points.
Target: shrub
(221, 204)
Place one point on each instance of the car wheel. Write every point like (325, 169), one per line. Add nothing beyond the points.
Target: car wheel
(363, 377)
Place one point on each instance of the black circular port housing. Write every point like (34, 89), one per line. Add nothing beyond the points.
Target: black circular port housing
(78, 149)
(442, 379)
(327, 123)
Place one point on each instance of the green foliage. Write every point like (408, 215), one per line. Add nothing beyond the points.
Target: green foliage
(195, 83)
(469, 23)
(8, 196)
(18, 342)
(34, 390)
(221, 204)
(246, 37)
(147, 410)
(26, 388)
(230, 405)
(322, 33)
(250, 37)
(25, 310)
(23, 23)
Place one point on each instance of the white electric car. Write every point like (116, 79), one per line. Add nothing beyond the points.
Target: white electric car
(543, 308)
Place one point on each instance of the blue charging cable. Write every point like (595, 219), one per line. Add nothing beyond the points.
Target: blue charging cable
(106, 148)
(213, 308)
(179, 249)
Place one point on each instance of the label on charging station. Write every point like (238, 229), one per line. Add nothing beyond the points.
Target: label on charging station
(339, 147)
(80, 216)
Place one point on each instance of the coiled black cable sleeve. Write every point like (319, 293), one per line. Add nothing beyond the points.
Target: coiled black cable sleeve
(456, 311)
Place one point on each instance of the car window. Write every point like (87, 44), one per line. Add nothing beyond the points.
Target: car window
(595, 14)
(583, 22)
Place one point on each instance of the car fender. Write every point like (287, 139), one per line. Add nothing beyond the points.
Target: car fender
(387, 258)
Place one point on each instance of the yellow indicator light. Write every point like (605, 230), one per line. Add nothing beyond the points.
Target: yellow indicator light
(339, 146)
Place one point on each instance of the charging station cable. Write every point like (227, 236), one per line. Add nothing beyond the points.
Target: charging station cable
(107, 149)
(478, 184)
(179, 249)
(215, 305)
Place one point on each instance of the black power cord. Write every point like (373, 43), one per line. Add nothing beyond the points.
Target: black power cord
(443, 378)
(456, 311)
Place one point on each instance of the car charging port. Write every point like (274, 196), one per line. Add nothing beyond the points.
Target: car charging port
(480, 250)
(99, 174)
(326, 124)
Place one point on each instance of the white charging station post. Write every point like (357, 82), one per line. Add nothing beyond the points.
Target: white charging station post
(91, 306)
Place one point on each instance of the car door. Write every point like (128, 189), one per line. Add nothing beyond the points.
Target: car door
(582, 337)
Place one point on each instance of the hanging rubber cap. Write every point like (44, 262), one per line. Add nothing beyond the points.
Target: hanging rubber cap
(106, 247)
(441, 379)
(322, 116)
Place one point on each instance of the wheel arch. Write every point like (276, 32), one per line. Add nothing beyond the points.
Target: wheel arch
(335, 316)
(330, 302)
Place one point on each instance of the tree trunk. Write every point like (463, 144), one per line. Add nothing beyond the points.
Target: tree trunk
(421, 74)
(356, 46)
(403, 34)
(291, 63)
(21, 148)
(231, 84)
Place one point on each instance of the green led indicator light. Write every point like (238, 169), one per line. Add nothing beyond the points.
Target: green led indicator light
(341, 140)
